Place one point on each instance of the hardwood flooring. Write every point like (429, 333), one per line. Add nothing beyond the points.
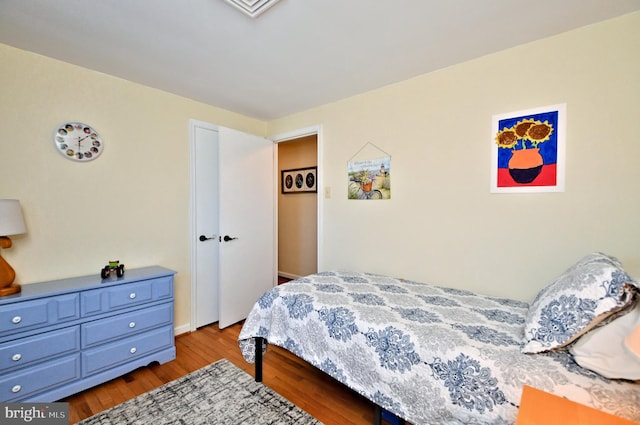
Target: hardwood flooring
(302, 384)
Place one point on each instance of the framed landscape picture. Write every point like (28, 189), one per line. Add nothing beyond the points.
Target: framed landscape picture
(369, 179)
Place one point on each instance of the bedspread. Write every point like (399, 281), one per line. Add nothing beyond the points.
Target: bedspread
(429, 354)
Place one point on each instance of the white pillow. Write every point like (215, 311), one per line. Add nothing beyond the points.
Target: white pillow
(603, 350)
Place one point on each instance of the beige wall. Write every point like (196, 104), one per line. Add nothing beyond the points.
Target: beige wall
(132, 203)
(442, 224)
(297, 213)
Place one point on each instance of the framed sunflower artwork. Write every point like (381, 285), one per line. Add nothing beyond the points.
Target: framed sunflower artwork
(528, 150)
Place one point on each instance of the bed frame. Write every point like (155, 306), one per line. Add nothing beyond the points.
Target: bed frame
(259, 342)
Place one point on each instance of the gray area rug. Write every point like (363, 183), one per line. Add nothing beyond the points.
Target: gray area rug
(220, 393)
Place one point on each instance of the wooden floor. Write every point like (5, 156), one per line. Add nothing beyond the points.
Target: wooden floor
(302, 384)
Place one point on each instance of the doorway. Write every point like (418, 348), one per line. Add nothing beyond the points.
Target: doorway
(297, 211)
(299, 220)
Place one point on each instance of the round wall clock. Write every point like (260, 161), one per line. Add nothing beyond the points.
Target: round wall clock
(77, 141)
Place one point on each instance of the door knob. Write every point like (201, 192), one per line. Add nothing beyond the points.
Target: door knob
(228, 238)
(204, 238)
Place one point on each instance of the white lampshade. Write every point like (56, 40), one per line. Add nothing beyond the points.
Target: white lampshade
(11, 220)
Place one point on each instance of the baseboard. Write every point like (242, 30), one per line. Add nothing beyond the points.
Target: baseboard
(288, 275)
(182, 329)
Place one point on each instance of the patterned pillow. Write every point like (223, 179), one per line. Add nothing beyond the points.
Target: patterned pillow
(587, 293)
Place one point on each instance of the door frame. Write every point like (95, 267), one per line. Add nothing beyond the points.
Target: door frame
(296, 134)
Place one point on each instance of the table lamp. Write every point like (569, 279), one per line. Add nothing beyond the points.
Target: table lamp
(11, 223)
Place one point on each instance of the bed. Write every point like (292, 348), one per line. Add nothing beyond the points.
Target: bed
(436, 355)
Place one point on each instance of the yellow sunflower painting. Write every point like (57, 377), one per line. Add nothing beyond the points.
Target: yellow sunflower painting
(528, 150)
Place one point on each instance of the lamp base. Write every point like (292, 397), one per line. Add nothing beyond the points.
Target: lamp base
(7, 274)
(10, 290)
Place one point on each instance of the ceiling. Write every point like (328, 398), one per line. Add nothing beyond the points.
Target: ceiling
(297, 55)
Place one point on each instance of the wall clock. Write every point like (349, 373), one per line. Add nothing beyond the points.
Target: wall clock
(77, 141)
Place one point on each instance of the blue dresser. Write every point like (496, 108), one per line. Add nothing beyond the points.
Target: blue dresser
(61, 337)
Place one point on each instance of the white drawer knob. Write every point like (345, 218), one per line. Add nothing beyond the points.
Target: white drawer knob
(16, 389)
(133, 350)
(16, 320)
(132, 324)
(16, 357)
(132, 295)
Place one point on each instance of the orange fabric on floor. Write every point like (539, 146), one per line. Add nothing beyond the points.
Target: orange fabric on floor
(541, 408)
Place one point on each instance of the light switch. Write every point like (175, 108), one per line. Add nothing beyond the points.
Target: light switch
(327, 192)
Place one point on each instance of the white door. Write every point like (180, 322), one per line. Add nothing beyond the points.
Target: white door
(247, 193)
(205, 189)
(233, 194)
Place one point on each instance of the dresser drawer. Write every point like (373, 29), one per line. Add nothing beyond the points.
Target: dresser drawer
(37, 348)
(122, 296)
(109, 355)
(39, 313)
(100, 331)
(21, 384)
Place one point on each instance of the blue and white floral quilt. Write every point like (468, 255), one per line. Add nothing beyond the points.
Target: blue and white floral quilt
(429, 354)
